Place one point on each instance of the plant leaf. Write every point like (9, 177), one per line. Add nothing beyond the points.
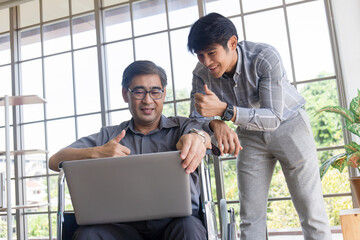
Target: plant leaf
(340, 163)
(352, 147)
(347, 114)
(354, 128)
(355, 107)
(354, 160)
(325, 166)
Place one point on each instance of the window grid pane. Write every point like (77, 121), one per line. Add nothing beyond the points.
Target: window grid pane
(148, 18)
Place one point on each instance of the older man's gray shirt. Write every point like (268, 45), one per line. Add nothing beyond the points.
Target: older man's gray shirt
(162, 139)
(259, 89)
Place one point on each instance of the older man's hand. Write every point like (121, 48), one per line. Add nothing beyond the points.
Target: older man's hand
(193, 149)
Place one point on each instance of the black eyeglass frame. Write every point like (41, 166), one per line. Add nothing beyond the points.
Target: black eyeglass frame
(147, 92)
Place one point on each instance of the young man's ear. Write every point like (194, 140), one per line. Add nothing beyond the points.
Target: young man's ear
(124, 94)
(232, 43)
(164, 95)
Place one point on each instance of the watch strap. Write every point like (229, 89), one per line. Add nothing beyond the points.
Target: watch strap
(198, 132)
(228, 113)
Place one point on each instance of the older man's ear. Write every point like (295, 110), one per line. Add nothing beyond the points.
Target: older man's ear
(124, 94)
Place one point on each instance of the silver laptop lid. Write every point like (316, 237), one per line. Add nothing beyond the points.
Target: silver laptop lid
(131, 188)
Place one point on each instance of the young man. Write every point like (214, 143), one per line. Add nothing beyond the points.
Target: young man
(147, 132)
(245, 82)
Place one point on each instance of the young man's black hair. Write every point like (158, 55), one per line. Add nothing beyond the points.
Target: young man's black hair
(210, 29)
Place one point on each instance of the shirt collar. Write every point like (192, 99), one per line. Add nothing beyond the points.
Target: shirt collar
(239, 61)
(164, 123)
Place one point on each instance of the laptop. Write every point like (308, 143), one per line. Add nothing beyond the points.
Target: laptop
(130, 188)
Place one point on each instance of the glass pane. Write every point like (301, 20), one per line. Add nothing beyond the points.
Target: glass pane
(87, 81)
(5, 81)
(282, 214)
(38, 226)
(113, 2)
(36, 192)
(292, 1)
(54, 195)
(35, 164)
(230, 180)
(31, 79)
(326, 127)
(334, 181)
(4, 20)
(252, 5)
(149, 16)
(183, 63)
(88, 125)
(54, 224)
(333, 207)
(84, 31)
(53, 9)
(119, 56)
(56, 37)
(120, 116)
(34, 138)
(3, 228)
(30, 43)
(79, 6)
(183, 108)
(310, 33)
(239, 28)
(57, 137)
(59, 86)
(161, 58)
(68, 201)
(182, 13)
(269, 27)
(223, 7)
(5, 49)
(117, 23)
(168, 110)
(3, 147)
(29, 13)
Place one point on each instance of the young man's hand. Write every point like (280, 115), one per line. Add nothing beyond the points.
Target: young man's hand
(228, 141)
(193, 149)
(208, 104)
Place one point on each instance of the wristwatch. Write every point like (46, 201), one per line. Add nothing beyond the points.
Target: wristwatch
(228, 113)
(199, 132)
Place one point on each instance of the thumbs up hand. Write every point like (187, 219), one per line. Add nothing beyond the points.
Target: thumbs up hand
(208, 104)
(113, 148)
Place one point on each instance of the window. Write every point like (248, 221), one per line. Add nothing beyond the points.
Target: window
(77, 68)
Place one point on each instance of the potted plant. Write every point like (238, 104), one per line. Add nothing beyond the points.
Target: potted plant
(351, 156)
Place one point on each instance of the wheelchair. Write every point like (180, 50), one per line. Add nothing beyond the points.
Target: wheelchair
(66, 222)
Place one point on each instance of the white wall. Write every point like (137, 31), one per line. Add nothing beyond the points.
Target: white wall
(347, 27)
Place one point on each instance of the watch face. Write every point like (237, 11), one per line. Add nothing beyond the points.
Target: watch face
(229, 115)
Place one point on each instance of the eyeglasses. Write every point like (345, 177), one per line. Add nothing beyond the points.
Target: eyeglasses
(140, 93)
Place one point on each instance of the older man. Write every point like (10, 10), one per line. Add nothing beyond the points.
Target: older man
(147, 132)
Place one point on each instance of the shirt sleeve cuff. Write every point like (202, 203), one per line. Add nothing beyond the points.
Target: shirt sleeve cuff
(242, 117)
(206, 127)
